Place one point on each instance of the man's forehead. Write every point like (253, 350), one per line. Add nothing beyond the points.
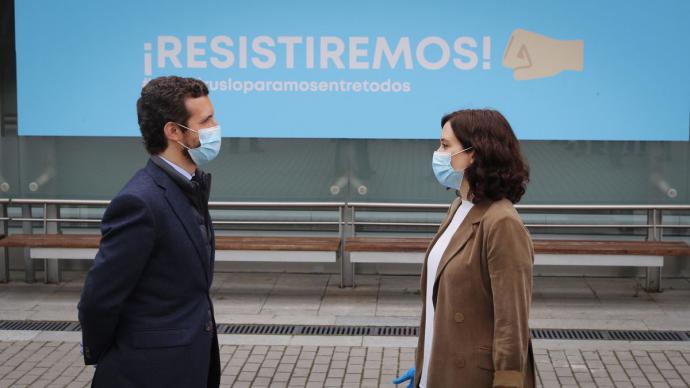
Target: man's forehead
(199, 106)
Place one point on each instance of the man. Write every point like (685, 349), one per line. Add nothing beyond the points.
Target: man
(145, 310)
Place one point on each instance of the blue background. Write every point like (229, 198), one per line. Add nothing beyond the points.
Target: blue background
(80, 67)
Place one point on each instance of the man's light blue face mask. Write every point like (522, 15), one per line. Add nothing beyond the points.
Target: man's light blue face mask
(210, 139)
(443, 170)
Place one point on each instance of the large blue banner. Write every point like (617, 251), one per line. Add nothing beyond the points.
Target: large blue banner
(559, 70)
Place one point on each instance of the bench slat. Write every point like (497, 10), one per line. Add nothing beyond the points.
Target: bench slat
(608, 247)
(367, 244)
(539, 259)
(376, 244)
(656, 248)
(261, 243)
(51, 240)
(254, 243)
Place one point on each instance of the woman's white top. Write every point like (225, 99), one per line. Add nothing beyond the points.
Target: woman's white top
(431, 268)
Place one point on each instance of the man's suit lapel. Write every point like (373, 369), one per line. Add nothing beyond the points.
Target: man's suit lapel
(182, 208)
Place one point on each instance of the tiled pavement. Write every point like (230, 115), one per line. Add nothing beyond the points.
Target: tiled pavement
(38, 359)
(58, 364)
(597, 303)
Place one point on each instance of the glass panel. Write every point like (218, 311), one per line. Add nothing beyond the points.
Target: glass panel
(349, 170)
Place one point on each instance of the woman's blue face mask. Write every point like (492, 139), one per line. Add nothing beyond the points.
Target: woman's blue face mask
(443, 169)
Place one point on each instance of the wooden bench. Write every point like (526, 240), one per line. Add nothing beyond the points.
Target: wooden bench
(649, 254)
(228, 248)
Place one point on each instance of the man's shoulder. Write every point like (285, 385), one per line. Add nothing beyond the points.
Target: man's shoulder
(141, 186)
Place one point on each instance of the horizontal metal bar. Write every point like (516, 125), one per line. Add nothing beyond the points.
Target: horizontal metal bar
(357, 223)
(214, 204)
(21, 219)
(91, 220)
(374, 223)
(392, 205)
(639, 226)
(525, 207)
(276, 204)
(67, 220)
(29, 201)
(602, 207)
(277, 223)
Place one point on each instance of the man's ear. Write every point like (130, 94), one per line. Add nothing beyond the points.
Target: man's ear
(172, 131)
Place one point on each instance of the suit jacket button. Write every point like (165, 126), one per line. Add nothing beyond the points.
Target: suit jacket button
(460, 363)
(459, 317)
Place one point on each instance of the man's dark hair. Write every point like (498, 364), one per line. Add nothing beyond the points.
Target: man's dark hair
(499, 170)
(163, 100)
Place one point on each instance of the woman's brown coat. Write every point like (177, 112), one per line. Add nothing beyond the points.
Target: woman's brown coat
(482, 296)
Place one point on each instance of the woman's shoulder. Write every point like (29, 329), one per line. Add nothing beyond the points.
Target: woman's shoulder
(501, 210)
(502, 219)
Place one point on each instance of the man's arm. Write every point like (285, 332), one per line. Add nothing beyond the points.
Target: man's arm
(128, 235)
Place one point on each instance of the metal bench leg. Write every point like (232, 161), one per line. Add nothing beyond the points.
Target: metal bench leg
(52, 266)
(346, 230)
(27, 228)
(347, 277)
(52, 271)
(653, 279)
(4, 265)
(656, 233)
(4, 252)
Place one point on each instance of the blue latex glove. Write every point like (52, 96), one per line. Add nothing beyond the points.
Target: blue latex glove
(409, 375)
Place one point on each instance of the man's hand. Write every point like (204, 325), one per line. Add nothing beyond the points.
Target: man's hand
(409, 375)
(81, 351)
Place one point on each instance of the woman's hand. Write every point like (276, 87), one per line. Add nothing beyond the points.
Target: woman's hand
(409, 375)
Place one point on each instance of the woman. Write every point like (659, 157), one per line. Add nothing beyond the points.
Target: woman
(477, 277)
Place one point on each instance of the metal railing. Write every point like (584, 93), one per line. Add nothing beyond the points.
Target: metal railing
(347, 222)
(653, 212)
(45, 203)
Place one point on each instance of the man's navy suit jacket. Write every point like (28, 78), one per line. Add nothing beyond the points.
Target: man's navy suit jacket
(145, 310)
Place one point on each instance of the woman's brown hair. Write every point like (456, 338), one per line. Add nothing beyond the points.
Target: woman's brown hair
(499, 170)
